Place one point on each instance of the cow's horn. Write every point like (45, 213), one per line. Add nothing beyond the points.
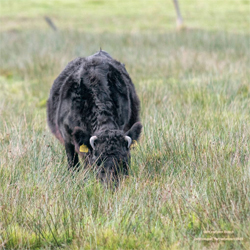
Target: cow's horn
(92, 141)
(129, 140)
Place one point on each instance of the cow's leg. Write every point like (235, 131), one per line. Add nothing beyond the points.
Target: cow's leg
(72, 156)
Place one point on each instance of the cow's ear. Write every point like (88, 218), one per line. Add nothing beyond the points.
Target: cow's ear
(135, 131)
(81, 139)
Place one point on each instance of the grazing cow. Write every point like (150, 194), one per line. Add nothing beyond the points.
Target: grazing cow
(93, 110)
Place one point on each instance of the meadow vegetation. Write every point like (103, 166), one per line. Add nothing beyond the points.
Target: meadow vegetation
(189, 174)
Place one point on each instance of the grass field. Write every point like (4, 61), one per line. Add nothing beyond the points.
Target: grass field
(190, 174)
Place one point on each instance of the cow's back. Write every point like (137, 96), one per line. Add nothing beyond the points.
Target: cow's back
(88, 93)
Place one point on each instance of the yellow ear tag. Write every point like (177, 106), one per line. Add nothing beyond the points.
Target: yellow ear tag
(84, 149)
(134, 144)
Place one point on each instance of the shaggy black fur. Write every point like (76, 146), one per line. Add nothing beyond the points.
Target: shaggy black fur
(94, 96)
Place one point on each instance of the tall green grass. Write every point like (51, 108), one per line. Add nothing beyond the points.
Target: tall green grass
(189, 174)
(119, 16)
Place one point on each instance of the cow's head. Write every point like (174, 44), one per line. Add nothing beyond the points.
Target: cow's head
(108, 149)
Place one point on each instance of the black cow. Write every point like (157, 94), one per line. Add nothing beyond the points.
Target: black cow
(93, 110)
